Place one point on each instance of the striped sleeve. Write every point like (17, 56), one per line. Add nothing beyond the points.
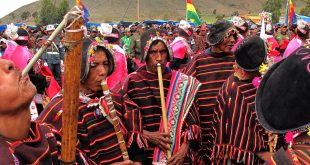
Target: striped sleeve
(133, 119)
(52, 113)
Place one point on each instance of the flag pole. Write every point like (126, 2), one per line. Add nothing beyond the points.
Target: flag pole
(138, 10)
(186, 10)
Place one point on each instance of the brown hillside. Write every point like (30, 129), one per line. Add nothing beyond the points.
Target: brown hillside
(117, 10)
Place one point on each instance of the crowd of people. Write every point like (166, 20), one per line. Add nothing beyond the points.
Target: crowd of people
(235, 93)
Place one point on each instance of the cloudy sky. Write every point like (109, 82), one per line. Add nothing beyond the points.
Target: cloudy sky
(7, 6)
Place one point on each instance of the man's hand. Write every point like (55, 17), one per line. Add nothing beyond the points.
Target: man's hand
(126, 162)
(178, 158)
(161, 140)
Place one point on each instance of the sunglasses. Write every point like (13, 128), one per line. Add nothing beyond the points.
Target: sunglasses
(231, 32)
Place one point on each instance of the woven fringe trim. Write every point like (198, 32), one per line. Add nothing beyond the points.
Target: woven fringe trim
(135, 137)
(193, 133)
(233, 153)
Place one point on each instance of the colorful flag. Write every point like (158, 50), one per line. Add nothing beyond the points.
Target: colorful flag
(86, 13)
(191, 13)
(290, 17)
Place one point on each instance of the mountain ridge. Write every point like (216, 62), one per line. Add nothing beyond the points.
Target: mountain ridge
(117, 10)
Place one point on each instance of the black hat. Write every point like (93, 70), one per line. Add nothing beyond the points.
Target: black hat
(23, 37)
(218, 31)
(89, 48)
(282, 100)
(251, 53)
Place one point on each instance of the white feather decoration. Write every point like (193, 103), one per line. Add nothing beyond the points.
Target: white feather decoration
(301, 24)
(184, 25)
(238, 21)
(105, 29)
(11, 31)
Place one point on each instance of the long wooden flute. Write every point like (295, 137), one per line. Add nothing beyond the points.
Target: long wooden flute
(114, 119)
(163, 104)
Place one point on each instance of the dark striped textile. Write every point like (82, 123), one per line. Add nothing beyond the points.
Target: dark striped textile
(96, 136)
(236, 130)
(301, 151)
(211, 70)
(143, 107)
(42, 147)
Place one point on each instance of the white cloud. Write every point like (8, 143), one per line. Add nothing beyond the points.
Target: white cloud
(7, 6)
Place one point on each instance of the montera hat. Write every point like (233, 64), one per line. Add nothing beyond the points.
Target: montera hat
(251, 53)
(240, 23)
(282, 100)
(89, 49)
(218, 31)
(50, 27)
(148, 38)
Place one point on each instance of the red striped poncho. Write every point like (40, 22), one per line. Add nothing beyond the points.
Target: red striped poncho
(236, 130)
(96, 135)
(41, 147)
(143, 107)
(211, 70)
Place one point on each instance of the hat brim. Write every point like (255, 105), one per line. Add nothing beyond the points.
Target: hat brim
(259, 103)
(281, 102)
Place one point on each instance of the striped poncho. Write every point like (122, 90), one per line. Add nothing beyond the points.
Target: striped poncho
(211, 70)
(96, 136)
(41, 147)
(236, 130)
(143, 106)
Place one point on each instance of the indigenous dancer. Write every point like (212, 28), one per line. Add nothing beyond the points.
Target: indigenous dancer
(96, 135)
(212, 69)
(112, 36)
(23, 141)
(243, 30)
(282, 106)
(143, 105)
(237, 134)
(301, 38)
(182, 51)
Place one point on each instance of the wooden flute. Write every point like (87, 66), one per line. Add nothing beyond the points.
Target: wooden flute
(114, 119)
(163, 104)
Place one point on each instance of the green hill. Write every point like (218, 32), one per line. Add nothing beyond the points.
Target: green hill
(117, 10)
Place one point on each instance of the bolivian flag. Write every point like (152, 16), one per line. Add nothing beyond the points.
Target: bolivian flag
(290, 17)
(191, 13)
(86, 13)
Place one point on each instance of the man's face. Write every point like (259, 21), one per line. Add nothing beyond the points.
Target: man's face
(157, 54)
(284, 29)
(3, 45)
(50, 32)
(98, 71)
(93, 34)
(253, 32)
(228, 42)
(203, 32)
(16, 92)
(141, 30)
(128, 34)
